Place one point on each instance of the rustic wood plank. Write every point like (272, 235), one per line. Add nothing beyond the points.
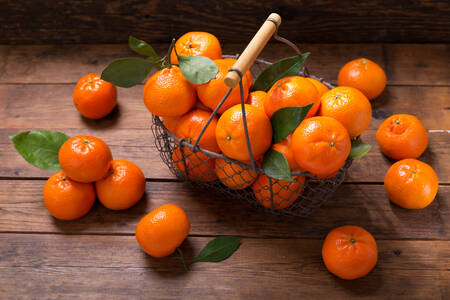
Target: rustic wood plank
(404, 64)
(22, 210)
(127, 130)
(88, 21)
(97, 266)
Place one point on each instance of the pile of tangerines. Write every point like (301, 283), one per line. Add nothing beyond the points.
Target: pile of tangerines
(319, 145)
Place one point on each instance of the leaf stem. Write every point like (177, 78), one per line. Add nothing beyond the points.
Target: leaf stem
(182, 257)
(172, 45)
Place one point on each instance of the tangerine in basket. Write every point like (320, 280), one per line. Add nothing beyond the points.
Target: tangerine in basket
(285, 148)
(85, 158)
(168, 93)
(191, 124)
(230, 132)
(412, 184)
(321, 88)
(197, 44)
(321, 145)
(284, 192)
(93, 97)
(364, 75)
(171, 123)
(292, 91)
(162, 230)
(257, 99)
(67, 199)
(199, 166)
(402, 136)
(212, 92)
(349, 106)
(233, 175)
(349, 252)
(123, 187)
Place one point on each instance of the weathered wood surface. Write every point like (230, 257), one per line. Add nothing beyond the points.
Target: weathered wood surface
(411, 64)
(88, 21)
(102, 266)
(97, 256)
(22, 210)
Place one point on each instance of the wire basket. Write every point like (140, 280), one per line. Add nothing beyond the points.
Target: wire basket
(232, 178)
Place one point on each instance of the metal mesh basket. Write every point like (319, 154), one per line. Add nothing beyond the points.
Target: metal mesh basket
(299, 198)
(232, 178)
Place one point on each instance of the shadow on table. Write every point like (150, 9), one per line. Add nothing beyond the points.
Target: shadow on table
(171, 267)
(108, 121)
(100, 218)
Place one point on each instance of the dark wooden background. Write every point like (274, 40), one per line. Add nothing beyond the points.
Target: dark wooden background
(319, 21)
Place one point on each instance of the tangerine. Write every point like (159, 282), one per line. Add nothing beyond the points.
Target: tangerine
(321, 145)
(85, 158)
(197, 44)
(162, 230)
(349, 252)
(230, 132)
(168, 93)
(402, 136)
(67, 199)
(364, 75)
(123, 187)
(93, 97)
(412, 184)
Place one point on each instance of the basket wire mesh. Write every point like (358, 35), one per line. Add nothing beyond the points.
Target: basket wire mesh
(235, 179)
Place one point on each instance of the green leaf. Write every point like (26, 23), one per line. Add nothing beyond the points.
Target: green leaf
(197, 69)
(40, 147)
(127, 72)
(218, 249)
(285, 67)
(286, 119)
(142, 48)
(276, 166)
(359, 149)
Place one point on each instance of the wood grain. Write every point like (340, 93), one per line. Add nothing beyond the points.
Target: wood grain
(98, 266)
(127, 130)
(22, 210)
(410, 64)
(88, 21)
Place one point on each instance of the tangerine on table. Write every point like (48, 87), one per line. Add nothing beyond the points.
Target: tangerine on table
(292, 91)
(233, 175)
(85, 158)
(191, 124)
(349, 106)
(93, 97)
(168, 93)
(67, 199)
(257, 99)
(197, 44)
(212, 92)
(321, 145)
(321, 88)
(284, 192)
(230, 132)
(162, 230)
(364, 75)
(285, 148)
(349, 252)
(123, 187)
(402, 136)
(412, 184)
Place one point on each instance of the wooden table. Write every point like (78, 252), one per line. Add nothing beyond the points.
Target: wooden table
(98, 256)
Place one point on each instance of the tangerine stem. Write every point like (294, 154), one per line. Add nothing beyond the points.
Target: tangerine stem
(182, 259)
(172, 45)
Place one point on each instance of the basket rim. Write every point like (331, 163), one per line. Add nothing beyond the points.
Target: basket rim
(183, 143)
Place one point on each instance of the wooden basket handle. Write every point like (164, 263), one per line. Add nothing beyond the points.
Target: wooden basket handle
(252, 50)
